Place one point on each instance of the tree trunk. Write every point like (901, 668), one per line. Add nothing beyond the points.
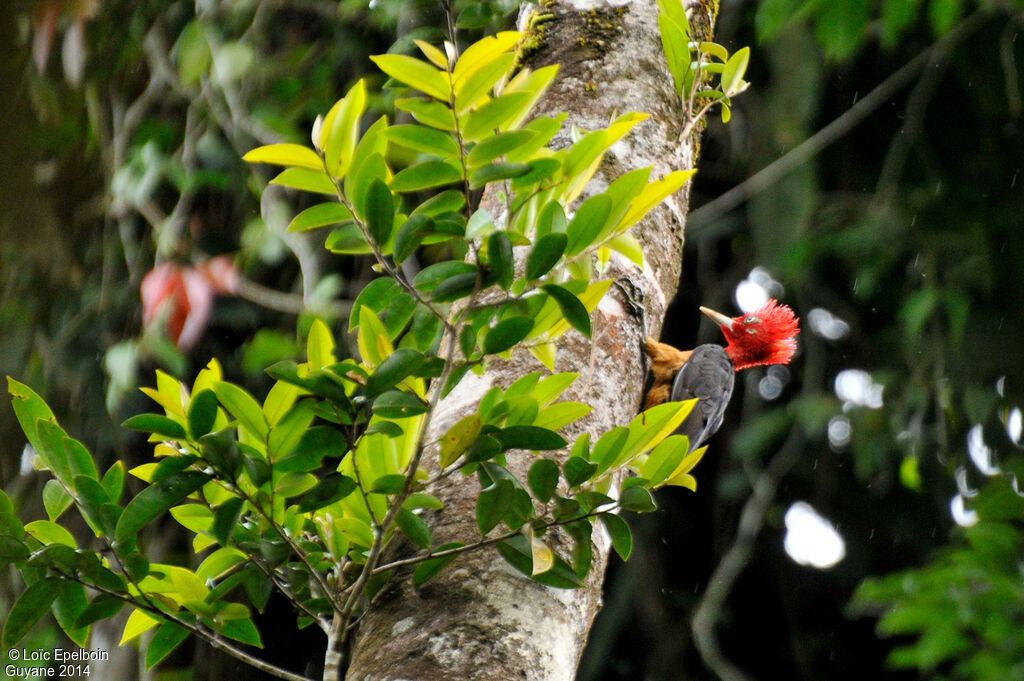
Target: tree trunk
(480, 619)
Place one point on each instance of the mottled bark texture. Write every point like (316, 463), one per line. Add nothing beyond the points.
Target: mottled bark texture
(480, 619)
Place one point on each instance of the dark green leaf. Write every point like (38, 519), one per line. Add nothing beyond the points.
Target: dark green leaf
(316, 443)
(429, 568)
(448, 201)
(483, 449)
(476, 15)
(494, 172)
(168, 637)
(543, 479)
(155, 500)
(529, 437)
(397, 404)
(330, 489)
(454, 288)
(71, 602)
(587, 223)
(157, 424)
(618, 530)
(409, 237)
(225, 518)
(380, 211)
(27, 610)
(113, 482)
(573, 310)
(545, 253)
(101, 608)
(11, 550)
(518, 552)
(493, 503)
(637, 499)
(506, 334)
(578, 471)
(608, 447)
(395, 368)
(499, 256)
(388, 428)
(413, 527)
(540, 169)
(429, 277)
(467, 341)
(499, 145)
(242, 630)
(551, 220)
(202, 412)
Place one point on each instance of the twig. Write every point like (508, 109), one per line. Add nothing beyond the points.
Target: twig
(811, 147)
(736, 558)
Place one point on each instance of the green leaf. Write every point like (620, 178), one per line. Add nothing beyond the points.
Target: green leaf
(413, 527)
(529, 437)
(27, 610)
(506, 334)
(429, 568)
(588, 222)
(285, 155)
(573, 310)
(243, 631)
(225, 518)
(395, 368)
(304, 179)
(396, 404)
(450, 200)
(434, 114)
(243, 407)
(348, 240)
(421, 138)
(494, 172)
(424, 176)
(288, 433)
(629, 246)
(459, 439)
(166, 639)
(101, 608)
(545, 253)
(414, 73)
(157, 424)
(48, 532)
(388, 484)
(380, 211)
(543, 479)
(578, 471)
(429, 277)
(155, 500)
(637, 499)
(320, 215)
(454, 288)
(30, 409)
(493, 503)
(618, 530)
(55, 499)
(340, 130)
(410, 235)
(499, 145)
(471, 89)
(499, 259)
(493, 115)
(202, 413)
(519, 553)
(732, 74)
(113, 482)
(331, 488)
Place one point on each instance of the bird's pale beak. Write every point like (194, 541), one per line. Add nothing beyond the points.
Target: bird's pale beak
(717, 317)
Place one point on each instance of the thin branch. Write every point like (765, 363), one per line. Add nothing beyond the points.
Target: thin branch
(811, 147)
(736, 558)
(288, 302)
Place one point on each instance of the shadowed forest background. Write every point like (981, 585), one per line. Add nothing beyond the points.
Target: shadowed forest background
(885, 143)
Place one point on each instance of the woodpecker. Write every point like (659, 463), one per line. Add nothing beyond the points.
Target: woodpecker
(708, 372)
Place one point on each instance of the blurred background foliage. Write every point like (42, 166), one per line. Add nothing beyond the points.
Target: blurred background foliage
(870, 178)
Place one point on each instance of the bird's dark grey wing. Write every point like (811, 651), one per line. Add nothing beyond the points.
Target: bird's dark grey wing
(709, 376)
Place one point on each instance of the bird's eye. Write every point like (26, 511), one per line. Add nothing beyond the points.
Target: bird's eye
(752, 320)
